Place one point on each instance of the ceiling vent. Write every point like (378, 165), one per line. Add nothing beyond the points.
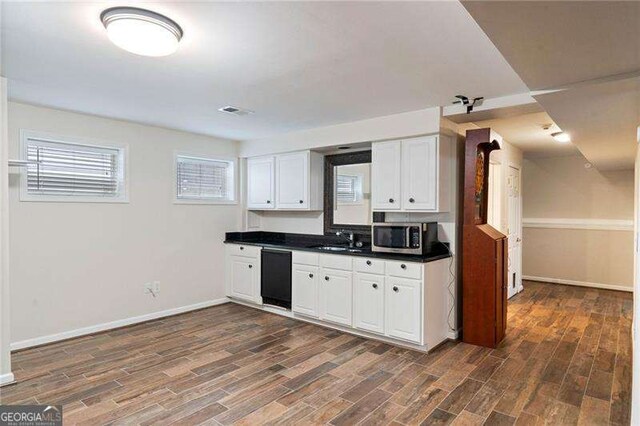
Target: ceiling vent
(235, 110)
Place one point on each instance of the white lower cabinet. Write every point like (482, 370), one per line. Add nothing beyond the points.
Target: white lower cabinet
(244, 278)
(304, 297)
(335, 296)
(368, 302)
(403, 308)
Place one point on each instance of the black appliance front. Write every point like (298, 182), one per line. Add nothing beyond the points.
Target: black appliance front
(276, 278)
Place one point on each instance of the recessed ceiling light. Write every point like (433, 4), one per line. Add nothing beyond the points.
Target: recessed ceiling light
(141, 31)
(561, 137)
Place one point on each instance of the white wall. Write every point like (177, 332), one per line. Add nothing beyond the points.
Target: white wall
(75, 265)
(635, 392)
(5, 354)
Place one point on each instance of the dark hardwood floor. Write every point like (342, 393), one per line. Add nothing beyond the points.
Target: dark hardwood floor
(566, 360)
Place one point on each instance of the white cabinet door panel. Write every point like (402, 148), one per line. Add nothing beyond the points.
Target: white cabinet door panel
(420, 173)
(335, 296)
(368, 302)
(292, 180)
(385, 175)
(402, 308)
(305, 297)
(244, 278)
(261, 183)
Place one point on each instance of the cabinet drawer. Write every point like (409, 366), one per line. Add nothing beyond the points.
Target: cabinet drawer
(245, 251)
(404, 269)
(304, 258)
(344, 263)
(368, 265)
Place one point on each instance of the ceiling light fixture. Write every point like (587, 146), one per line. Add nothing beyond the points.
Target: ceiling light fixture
(561, 137)
(141, 31)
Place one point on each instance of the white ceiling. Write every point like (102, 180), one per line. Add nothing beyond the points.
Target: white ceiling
(527, 133)
(551, 44)
(297, 65)
(590, 48)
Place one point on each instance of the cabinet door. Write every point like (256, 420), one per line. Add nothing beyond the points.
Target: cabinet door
(292, 181)
(368, 302)
(402, 308)
(305, 290)
(385, 175)
(243, 278)
(335, 296)
(261, 183)
(420, 173)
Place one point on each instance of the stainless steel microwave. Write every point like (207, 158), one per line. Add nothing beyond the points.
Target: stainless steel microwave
(406, 238)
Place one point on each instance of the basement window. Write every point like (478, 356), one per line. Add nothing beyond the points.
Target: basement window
(202, 180)
(349, 189)
(63, 170)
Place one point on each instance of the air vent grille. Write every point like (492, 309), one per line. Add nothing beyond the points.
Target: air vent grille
(235, 110)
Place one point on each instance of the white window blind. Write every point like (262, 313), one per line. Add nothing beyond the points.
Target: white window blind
(204, 179)
(62, 169)
(348, 189)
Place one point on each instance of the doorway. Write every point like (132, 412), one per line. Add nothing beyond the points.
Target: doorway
(514, 229)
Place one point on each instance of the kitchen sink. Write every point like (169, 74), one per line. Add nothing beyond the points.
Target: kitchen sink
(337, 248)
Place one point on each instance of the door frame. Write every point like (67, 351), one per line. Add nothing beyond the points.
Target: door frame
(519, 286)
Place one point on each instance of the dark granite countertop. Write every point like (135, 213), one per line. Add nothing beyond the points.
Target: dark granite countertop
(305, 242)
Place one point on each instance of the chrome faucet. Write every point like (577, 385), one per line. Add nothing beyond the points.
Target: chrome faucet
(349, 235)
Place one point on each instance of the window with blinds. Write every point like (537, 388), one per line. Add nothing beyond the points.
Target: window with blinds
(349, 189)
(58, 169)
(204, 179)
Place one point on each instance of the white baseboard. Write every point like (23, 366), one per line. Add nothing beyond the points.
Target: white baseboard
(578, 283)
(113, 324)
(6, 379)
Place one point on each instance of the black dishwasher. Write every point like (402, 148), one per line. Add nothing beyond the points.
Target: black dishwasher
(276, 278)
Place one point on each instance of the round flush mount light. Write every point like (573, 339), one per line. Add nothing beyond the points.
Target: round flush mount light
(141, 31)
(561, 137)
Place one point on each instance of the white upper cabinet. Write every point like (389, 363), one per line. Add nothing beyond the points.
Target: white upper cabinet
(414, 173)
(297, 182)
(292, 178)
(386, 160)
(261, 186)
(419, 173)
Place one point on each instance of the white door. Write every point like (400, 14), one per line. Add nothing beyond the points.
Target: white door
(261, 183)
(402, 308)
(514, 231)
(386, 159)
(292, 181)
(304, 297)
(420, 173)
(368, 302)
(243, 278)
(335, 296)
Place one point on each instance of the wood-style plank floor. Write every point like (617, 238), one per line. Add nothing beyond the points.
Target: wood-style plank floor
(566, 360)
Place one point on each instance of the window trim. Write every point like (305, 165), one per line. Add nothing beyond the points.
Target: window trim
(123, 197)
(206, 157)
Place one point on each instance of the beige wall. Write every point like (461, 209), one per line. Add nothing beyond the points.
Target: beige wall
(76, 265)
(5, 354)
(560, 199)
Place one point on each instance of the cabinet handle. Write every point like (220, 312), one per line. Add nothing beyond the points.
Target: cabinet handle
(403, 266)
(268, 201)
(301, 202)
(369, 262)
(250, 266)
(411, 200)
(391, 200)
(326, 278)
(310, 275)
(241, 248)
(396, 289)
(375, 286)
